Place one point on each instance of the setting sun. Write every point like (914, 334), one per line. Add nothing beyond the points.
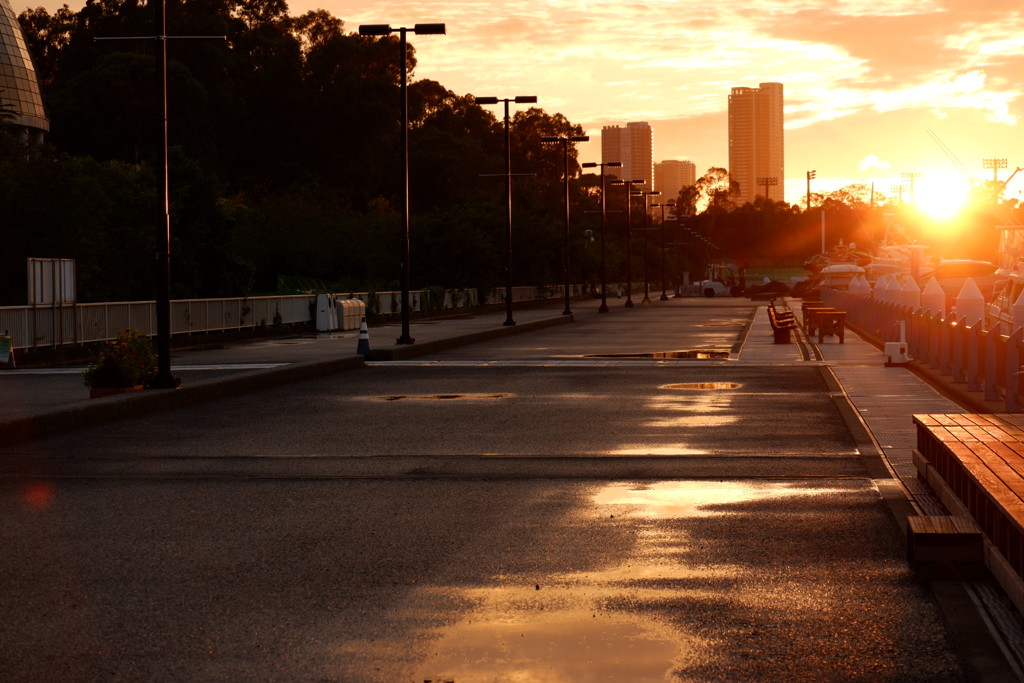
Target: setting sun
(940, 196)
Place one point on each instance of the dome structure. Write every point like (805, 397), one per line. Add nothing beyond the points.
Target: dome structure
(19, 89)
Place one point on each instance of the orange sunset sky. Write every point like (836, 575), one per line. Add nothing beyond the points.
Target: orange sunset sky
(865, 81)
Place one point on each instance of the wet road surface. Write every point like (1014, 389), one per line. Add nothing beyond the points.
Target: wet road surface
(485, 514)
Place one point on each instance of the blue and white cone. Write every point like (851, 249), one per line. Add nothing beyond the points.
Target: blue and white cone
(363, 348)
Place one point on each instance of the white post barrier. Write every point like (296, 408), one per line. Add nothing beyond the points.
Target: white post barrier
(933, 299)
(970, 303)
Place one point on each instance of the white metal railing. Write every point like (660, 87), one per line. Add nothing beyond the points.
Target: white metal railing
(44, 326)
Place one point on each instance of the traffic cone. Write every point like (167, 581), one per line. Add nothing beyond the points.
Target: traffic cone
(363, 349)
(7, 352)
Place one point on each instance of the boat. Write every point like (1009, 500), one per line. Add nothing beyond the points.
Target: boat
(838, 275)
(1009, 279)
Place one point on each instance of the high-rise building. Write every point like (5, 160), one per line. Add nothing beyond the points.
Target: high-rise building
(671, 176)
(756, 150)
(634, 147)
(19, 90)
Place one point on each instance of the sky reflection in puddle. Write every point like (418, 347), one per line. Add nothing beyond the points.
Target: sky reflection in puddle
(596, 624)
(671, 449)
(560, 646)
(572, 627)
(676, 499)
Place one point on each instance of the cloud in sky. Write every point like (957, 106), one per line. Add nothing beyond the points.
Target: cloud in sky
(606, 62)
(872, 162)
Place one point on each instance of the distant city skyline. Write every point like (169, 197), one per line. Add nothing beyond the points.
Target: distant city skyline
(865, 80)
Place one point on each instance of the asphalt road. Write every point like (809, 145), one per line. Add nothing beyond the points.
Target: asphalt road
(529, 509)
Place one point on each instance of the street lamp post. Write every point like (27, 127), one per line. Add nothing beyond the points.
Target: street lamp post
(565, 155)
(384, 30)
(519, 99)
(603, 308)
(628, 184)
(164, 379)
(663, 205)
(645, 194)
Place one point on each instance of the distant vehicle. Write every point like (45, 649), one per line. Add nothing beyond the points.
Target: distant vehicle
(721, 281)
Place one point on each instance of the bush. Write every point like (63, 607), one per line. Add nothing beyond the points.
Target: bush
(127, 361)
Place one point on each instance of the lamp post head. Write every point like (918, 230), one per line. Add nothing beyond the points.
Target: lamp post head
(486, 100)
(525, 99)
(375, 30)
(613, 164)
(430, 29)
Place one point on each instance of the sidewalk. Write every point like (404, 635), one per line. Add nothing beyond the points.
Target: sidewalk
(51, 400)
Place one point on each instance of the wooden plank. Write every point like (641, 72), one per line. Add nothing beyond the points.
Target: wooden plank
(996, 480)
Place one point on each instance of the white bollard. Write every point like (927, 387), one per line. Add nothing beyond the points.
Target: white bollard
(893, 290)
(878, 293)
(910, 294)
(970, 304)
(933, 299)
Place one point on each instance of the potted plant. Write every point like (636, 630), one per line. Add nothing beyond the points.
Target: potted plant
(124, 364)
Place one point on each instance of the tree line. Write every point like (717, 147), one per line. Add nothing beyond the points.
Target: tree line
(285, 168)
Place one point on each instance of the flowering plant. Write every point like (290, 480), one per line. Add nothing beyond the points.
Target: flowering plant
(127, 361)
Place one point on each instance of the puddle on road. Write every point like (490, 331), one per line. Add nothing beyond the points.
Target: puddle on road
(670, 449)
(703, 386)
(563, 646)
(601, 624)
(671, 355)
(677, 499)
(606, 623)
(440, 397)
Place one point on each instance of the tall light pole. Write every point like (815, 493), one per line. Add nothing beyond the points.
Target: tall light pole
(995, 165)
(565, 155)
(603, 308)
(810, 177)
(910, 177)
(768, 182)
(384, 30)
(647, 213)
(519, 99)
(628, 184)
(164, 379)
(663, 205)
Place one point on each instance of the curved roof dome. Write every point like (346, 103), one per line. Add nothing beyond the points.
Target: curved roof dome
(19, 89)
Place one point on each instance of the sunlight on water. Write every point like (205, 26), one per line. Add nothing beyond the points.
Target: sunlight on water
(672, 449)
(587, 625)
(563, 646)
(675, 499)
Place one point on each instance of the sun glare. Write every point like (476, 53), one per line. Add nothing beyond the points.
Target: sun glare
(941, 197)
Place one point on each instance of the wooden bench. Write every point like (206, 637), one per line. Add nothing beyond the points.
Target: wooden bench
(975, 464)
(810, 312)
(783, 323)
(830, 322)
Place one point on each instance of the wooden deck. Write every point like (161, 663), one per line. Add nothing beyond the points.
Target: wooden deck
(975, 463)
